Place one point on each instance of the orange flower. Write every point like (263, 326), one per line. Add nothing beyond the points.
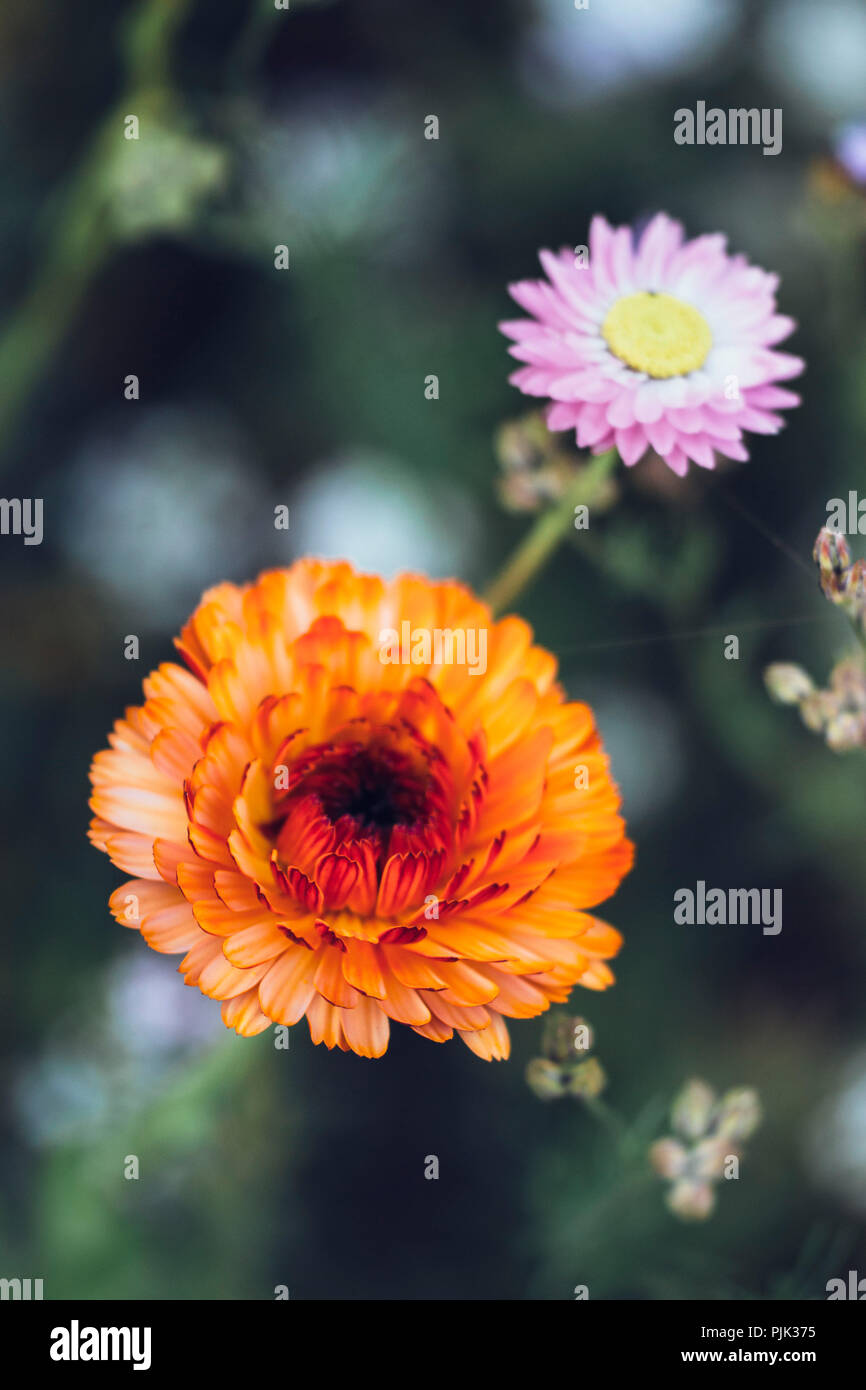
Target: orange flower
(331, 821)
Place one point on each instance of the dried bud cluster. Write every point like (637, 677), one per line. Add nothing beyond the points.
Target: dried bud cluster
(565, 1069)
(537, 467)
(842, 582)
(838, 712)
(707, 1134)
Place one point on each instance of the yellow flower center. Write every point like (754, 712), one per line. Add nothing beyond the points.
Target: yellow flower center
(657, 334)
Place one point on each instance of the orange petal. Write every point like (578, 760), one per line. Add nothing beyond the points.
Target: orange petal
(288, 987)
(330, 981)
(366, 1028)
(362, 967)
(244, 1015)
(336, 876)
(252, 945)
(492, 1043)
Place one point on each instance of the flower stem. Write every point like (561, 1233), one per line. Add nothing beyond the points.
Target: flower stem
(541, 541)
(856, 621)
(34, 332)
(609, 1119)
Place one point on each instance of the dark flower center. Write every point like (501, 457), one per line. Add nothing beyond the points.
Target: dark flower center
(365, 790)
(377, 787)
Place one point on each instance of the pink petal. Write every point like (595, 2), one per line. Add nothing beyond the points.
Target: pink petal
(631, 444)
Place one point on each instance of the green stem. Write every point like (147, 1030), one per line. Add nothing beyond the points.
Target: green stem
(597, 1217)
(607, 1117)
(252, 41)
(44, 316)
(856, 622)
(148, 42)
(43, 319)
(550, 529)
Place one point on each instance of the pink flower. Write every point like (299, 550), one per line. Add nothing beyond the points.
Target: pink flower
(665, 344)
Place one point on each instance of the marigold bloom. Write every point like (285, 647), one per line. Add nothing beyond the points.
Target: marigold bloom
(323, 832)
(662, 344)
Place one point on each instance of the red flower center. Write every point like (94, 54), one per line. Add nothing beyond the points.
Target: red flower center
(386, 786)
(367, 789)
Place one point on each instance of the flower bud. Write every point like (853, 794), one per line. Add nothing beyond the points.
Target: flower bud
(846, 731)
(567, 1038)
(669, 1158)
(855, 583)
(739, 1113)
(587, 1079)
(707, 1159)
(692, 1201)
(693, 1108)
(818, 709)
(787, 684)
(535, 470)
(545, 1079)
(848, 680)
(833, 558)
(525, 443)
